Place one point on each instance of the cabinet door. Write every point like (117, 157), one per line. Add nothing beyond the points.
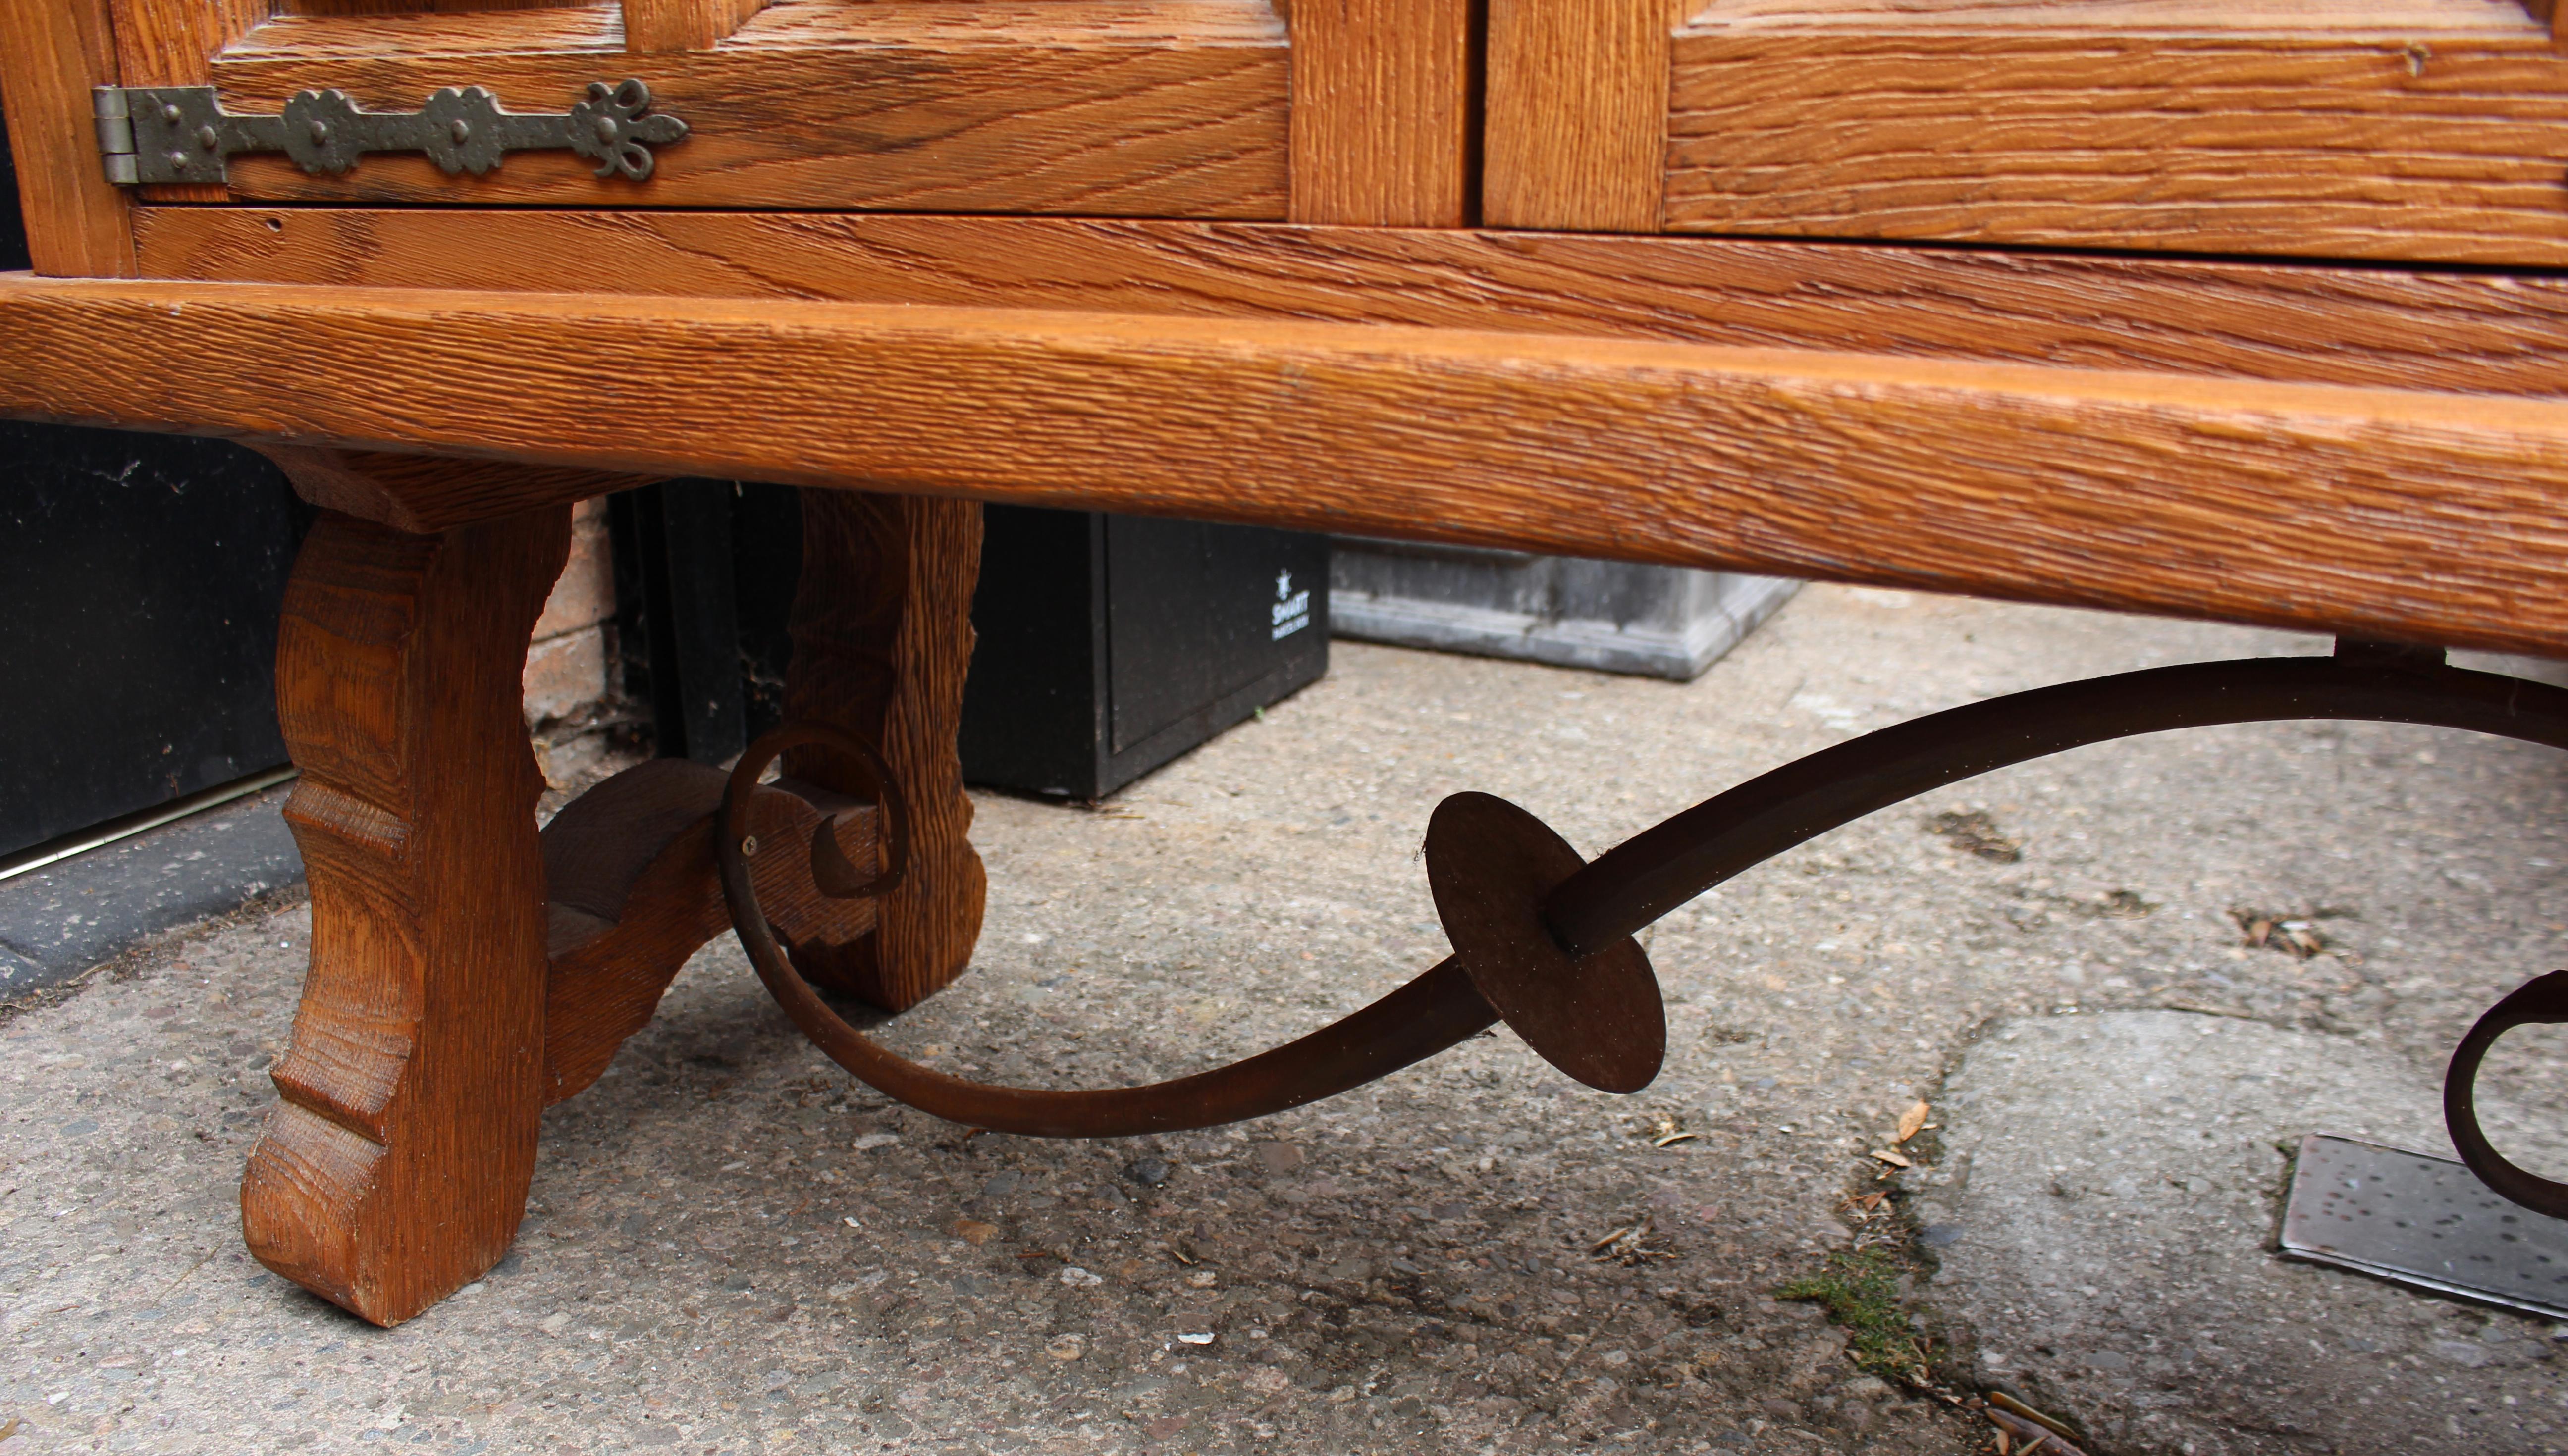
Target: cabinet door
(1356, 112)
(2412, 129)
(1092, 107)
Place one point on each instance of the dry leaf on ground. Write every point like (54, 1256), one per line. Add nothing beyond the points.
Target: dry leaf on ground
(1974, 832)
(1910, 1121)
(1633, 1243)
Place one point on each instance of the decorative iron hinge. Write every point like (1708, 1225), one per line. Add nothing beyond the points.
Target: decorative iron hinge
(181, 134)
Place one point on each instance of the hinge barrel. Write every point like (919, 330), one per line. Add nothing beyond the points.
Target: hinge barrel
(115, 134)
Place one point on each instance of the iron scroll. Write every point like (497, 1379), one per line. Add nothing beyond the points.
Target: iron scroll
(2540, 1001)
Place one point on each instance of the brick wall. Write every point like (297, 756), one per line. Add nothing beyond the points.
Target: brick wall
(570, 681)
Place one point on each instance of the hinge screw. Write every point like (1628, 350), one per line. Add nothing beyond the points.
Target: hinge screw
(749, 846)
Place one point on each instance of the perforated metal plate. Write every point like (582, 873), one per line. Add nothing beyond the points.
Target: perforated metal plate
(2424, 1221)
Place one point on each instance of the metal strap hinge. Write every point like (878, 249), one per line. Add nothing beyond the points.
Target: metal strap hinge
(181, 134)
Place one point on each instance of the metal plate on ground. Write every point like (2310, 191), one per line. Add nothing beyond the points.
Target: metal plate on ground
(2424, 1221)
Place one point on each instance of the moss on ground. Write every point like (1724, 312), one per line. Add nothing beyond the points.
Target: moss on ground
(1861, 1291)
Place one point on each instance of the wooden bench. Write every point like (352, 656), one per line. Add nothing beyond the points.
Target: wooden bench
(1905, 292)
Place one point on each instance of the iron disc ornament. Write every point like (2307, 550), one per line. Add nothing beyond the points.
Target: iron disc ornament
(1597, 1016)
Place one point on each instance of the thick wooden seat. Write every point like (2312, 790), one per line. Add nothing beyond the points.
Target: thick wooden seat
(2401, 512)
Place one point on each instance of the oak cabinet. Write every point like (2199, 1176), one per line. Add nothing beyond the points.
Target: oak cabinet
(2412, 131)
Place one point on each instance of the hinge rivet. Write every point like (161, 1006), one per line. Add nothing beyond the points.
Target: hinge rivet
(607, 129)
(178, 159)
(172, 115)
(206, 138)
(320, 131)
(462, 131)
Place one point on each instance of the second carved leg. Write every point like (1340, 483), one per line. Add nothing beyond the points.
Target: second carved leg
(883, 638)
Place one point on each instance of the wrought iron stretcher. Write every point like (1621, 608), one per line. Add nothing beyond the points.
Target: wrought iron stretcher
(1543, 940)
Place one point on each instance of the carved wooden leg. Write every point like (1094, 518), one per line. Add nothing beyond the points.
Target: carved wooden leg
(882, 636)
(397, 1168)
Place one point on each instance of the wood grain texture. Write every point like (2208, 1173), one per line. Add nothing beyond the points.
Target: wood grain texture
(1577, 113)
(372, 484)
(2352, 326)
(630, 867)
(2269, 17)
(883, 638)
(2403, 515)
(420, 7)
(396, 1168)
(1382, 111)
(1110, 109)
(52, 52)
(2361, 140)
(173, 42)
(653, 26)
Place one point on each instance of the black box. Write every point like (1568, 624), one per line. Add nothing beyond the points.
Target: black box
(1111, 643)
(140, 581)
(1108, 645)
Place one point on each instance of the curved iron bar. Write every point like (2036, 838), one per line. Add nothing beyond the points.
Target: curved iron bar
(1669, 863)
(1591, 911)
(1428, 1014)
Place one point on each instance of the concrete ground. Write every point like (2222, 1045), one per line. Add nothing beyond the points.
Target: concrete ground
(60, 922)
(731, 1249)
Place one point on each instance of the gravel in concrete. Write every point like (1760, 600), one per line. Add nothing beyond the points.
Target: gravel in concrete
(731, 1249)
